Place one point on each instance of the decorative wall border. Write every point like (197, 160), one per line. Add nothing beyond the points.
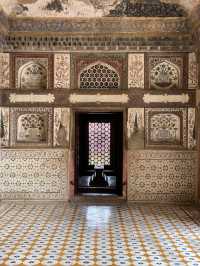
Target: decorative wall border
(20, 42)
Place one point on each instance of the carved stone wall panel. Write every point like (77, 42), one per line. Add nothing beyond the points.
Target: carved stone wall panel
(162, 176)
(135, 128)
(115, 63)
(61, 127)
(4, 127)
(192, 128)
(32, 71)
(34, 174)
(62, 71)
(4, 71)
(136, 70)
(166, 71)
(193, 72)
(31, 127)
(166, 128)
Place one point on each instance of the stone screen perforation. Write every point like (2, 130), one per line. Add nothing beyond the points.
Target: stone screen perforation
(99, 143)
(99, 76)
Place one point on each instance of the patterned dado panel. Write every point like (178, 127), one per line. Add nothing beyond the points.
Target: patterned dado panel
(99, 71)
(32, 71)
(167, 71)
(33, 174)
(162, 176)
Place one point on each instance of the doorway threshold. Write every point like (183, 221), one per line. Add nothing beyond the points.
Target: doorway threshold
(98, 199)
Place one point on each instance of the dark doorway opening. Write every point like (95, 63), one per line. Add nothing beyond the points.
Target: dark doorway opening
(99, 152)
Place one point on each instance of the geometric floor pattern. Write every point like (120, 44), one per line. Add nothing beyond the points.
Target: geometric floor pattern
(73, 234)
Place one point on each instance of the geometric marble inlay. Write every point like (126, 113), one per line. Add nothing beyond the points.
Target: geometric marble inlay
(165, 176)
(64, 234)
(33, 174)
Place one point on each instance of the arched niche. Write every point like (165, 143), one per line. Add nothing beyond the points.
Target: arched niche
(31, 128)
(32, 76)
(165, 128)
(165, 75)
(99, 75)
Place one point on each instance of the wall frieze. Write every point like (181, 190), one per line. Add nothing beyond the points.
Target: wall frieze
(132, 98)
(77, 25)
(106, 42)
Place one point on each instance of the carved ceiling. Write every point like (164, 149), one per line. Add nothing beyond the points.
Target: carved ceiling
(98, 8)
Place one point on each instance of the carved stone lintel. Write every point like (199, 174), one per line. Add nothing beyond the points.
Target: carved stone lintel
(98, 98)
(165, 98)
(31, 98)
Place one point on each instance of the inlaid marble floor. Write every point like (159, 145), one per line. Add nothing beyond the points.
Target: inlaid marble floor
(69, 234)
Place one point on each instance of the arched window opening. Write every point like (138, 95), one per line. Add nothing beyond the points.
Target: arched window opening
(99, 76)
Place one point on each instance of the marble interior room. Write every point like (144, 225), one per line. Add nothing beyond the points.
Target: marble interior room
(100, 100)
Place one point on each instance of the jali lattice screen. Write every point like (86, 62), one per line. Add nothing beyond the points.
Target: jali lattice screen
(99, 143)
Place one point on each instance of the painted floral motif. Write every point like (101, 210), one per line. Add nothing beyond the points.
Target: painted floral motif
(4, 70)
(61, 71)
(192, 72)
(136, 70)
